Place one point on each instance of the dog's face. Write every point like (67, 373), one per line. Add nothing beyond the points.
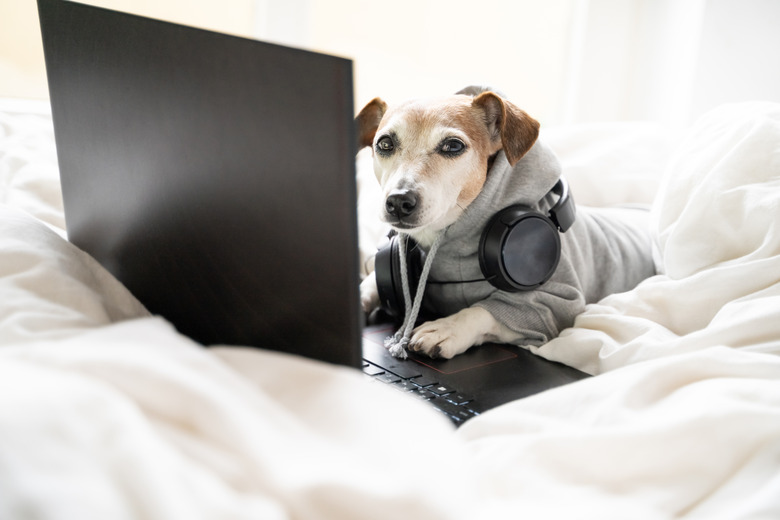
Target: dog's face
(431, 157)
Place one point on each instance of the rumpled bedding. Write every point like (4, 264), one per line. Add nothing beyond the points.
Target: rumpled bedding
(108, 412)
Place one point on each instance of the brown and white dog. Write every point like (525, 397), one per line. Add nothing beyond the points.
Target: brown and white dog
(432, 159)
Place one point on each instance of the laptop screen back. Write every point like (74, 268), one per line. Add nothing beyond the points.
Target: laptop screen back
(213, 175)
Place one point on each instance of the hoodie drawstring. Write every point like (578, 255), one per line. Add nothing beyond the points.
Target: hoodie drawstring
(399, 342)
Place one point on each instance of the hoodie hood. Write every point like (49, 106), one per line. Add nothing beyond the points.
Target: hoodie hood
(529, 183)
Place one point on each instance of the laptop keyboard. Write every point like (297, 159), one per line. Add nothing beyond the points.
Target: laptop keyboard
(446, 400)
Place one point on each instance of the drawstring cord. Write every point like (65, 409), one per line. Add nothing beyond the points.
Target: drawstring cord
(399, 342)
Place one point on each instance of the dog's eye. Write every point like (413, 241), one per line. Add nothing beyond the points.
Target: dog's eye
(385, 145)
(452, 147)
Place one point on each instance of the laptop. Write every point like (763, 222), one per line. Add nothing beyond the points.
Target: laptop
(214, 176)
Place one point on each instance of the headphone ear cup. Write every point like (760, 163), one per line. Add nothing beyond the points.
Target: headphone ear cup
(519, 249)
(387, 267)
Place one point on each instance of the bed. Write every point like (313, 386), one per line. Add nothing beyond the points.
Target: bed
(107, 412)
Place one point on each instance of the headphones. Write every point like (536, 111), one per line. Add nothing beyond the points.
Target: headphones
(519, 250)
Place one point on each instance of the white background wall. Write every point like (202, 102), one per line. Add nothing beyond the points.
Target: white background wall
(671, 60)
(565, 61)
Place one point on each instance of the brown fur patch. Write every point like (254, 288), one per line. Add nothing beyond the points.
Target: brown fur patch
(518, 130)
(367, 121)
(470, 190)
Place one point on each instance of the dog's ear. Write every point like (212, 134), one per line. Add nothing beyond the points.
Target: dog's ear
(516, 130)
(367, 121)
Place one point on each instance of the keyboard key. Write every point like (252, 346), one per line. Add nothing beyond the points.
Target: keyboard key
(372, 370)
(440, 389)
(459, 399)
(405, 385)
(446, 407)
(404, 369)
(464, 414)
(387, 378)
(423, 381)
(423, 393)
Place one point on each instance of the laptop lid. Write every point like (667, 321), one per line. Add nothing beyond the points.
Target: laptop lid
(213, 175)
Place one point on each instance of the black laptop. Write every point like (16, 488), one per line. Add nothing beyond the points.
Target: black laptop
(215, 177)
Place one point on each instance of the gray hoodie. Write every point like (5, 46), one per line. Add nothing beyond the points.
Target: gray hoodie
(605, 251)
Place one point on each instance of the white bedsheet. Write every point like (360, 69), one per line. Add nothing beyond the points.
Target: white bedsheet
(107, 412)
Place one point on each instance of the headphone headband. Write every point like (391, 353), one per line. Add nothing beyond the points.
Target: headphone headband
(564, 212)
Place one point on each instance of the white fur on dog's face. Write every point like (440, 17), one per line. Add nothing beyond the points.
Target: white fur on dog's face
(431, 157)
(437, 149)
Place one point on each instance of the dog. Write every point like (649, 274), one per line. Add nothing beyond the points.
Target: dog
(445, 166)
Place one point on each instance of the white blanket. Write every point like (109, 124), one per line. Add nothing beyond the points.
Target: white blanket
(107, 412)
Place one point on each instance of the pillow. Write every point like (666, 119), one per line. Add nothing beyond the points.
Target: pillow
(720, 199)
(29, 177)
(50, 288)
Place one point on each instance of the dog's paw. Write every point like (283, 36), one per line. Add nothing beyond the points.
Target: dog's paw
(443, 338)
(369, 294)
(448, 337)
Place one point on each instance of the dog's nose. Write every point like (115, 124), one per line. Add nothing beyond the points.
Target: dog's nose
(401, 203)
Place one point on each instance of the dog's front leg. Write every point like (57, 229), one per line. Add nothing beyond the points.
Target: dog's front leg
(369, 294)
(453, 335)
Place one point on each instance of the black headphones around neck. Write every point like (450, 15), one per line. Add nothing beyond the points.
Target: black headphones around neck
(519, 250)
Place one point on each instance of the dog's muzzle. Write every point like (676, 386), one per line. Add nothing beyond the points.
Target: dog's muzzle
(401, 207)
